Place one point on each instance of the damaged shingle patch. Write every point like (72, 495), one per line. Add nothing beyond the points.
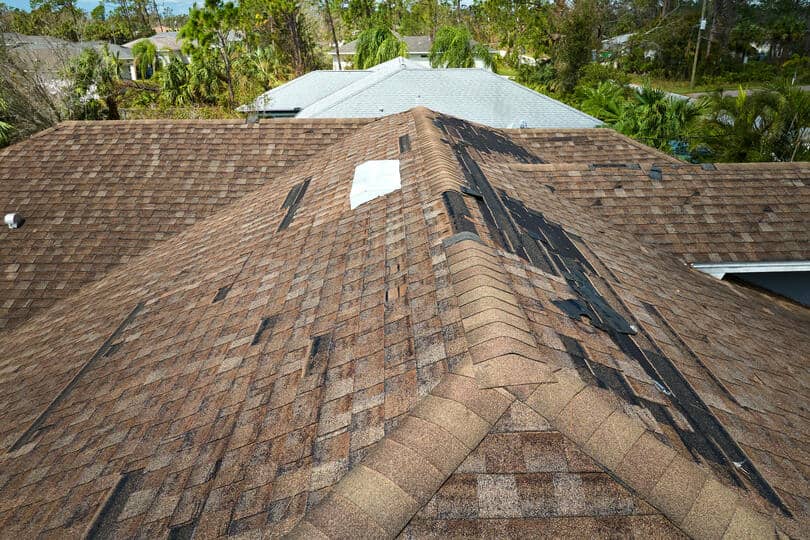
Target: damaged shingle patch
(106, 520)
(60, 398)
(265, 326)
(292, 201)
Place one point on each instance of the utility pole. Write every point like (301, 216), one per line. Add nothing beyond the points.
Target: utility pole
(701, 27)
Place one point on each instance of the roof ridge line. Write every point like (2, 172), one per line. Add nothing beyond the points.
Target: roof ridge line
(437, 158)
(688, 495)
(388, 487)
(407, 467)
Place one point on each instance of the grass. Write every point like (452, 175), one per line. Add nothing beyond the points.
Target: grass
(682, 87)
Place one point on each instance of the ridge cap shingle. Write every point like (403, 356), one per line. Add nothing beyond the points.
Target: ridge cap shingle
(688, 495)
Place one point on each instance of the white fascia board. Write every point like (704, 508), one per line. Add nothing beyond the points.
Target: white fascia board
(719, 270)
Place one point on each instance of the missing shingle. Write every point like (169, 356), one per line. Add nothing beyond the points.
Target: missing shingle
(656, 174)
(708, 166)
(184, 531)
(292, 202)
(484, 139)
(459, 214)
(579, 358)
(630, 166)
(318, 355)
(222, 293)
(105, 523)
(404, 144)
(39, 422)
(264, 326)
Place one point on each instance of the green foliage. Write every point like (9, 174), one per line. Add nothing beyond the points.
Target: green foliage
(666, 50)
(605, 101)
(646, 114)
(261, 69)
(766, 125)
(541, 77)
(93, 85)
(174, 80)
(593, 74)
(578, 30)
(6, 129)
(518, 26)
(146, 58)
(207, 38)
(284, 25)
(377, 45)
(453, 48)
(798, 68)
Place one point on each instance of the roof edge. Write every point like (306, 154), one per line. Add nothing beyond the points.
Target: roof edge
(719, 270)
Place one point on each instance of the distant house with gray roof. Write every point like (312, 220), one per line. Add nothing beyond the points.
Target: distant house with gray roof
(48, 56)
(401, 84)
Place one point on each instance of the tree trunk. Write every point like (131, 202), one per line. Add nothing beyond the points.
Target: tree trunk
(157, 14)
(298, 57)
(223, 41)
(332, 28)
(724, 13)
(112, 108)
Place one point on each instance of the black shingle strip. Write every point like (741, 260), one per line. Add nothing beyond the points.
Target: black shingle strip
(292, 202)
(404, 144)
(266, 325)
(34, 428)
(459, 213)
(104, 524)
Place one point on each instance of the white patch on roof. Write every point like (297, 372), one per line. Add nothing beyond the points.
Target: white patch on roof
(374, 179)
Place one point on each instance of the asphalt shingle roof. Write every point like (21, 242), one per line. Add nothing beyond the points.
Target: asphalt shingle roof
(418, 366)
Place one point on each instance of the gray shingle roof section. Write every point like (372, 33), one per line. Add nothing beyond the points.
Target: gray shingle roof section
(415, 44)
(304, 91)
(472, 94)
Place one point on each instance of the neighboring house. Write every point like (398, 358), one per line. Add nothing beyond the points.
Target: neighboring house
(418, 52)
(167, 45)
(399, 85)
(48, 56)
(410, 327)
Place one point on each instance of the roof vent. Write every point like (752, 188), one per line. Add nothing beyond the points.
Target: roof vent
(374, 179)
(14, 220)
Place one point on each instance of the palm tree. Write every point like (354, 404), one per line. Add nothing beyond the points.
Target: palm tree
(606, 101)
(659, 119)
(264, 66)
(767, 125)
(453, 47)
(737, 126)
(174, 82)
(376, 45)
(146, 58)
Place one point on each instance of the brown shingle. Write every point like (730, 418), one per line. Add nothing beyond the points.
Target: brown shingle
(237, 437)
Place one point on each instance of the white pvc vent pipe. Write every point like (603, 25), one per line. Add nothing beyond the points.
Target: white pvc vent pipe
(374, 179)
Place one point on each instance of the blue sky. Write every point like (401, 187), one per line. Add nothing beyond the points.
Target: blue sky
(176, 6)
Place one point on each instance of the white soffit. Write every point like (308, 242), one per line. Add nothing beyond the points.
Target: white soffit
(374, 179)
(719, 270)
